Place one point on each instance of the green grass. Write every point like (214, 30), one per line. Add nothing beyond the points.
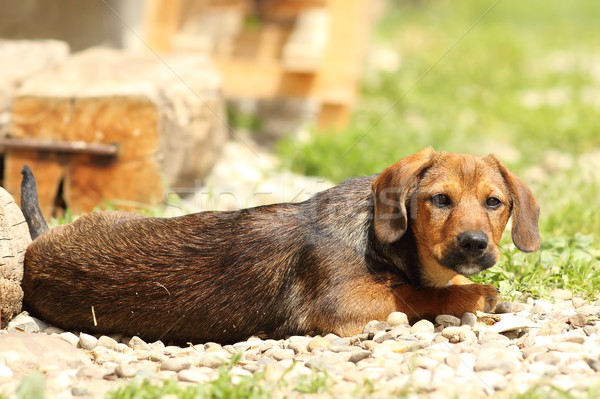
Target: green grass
(227, 386)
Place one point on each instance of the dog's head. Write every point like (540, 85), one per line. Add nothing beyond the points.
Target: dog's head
(457, 207)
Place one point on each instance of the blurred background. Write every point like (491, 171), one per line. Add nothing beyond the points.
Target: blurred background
(218, 104)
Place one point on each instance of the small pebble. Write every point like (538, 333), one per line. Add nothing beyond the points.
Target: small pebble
(447, 320)
(422, 327)
(194, 375)
(70, 338)
(213, 360)
(397, 319)
(318, 343)
(376, 326)
(176, 364)
(562, 294)
(125, 371)
(137, 343)
(468, 319)
(510, 307)
(87, 341)
(107, 342)
(545, 342)
(80, 390)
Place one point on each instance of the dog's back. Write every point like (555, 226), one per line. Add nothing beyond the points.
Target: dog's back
(225, 274)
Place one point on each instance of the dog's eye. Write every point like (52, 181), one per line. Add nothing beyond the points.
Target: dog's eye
(493, 202)
(440, 200)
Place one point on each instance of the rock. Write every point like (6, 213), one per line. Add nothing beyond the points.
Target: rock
(375, 326)
(157, 356)
(422, 327)
(510, 322)
(213, 360)
(447, 320)
(53, 330)
(383, 336)
(80, 389)
(125, 371)
(574, 337)
(594, 363)
(194, 375)
(578, 302)
(27, 352)
(489, 336)
(502, 361)
(87, 342)
(281, 354)
(5, 372)
(589, 310)
(299, 344)
(25, 323)
(137, 343)
(333, 338)
(70, 338)
(578, 320)
(107, 342)
(456, 334)
(567, 347)
(344, 348)
(492, 379)
(468, 319)
(176, 364)
(562, 294)
(318, 343)
(540, 306)
(551, 358)
(397, 319)
(421, 378)
(357, 356)
(589, 330)
(510, 307)
(553, 327)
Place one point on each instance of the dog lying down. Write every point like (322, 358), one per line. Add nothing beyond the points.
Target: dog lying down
(402, 240)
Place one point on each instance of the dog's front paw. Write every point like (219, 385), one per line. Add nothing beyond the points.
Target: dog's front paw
(488, 298)
(472, 298)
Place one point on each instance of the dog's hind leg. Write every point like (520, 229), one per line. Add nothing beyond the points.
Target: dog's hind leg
(30, 205)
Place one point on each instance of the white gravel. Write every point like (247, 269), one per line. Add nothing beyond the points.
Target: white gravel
(542, 343)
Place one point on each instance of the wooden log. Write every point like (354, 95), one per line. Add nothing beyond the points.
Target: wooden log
(165, 114)
(14, 239)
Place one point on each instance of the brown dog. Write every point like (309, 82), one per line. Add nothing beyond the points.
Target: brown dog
(398, 241)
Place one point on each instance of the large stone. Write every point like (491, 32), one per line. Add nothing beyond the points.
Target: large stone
(20, 59)
(166, 116)
(24, 353)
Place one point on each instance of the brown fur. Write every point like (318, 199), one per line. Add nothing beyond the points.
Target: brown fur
(351, 254)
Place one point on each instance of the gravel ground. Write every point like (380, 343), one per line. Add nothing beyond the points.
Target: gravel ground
(537, 343)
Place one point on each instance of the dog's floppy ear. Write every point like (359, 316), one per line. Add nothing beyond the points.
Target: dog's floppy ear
(391, 190)
(525, 211)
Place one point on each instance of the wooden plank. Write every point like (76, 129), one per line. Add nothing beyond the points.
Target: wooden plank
(76, 147)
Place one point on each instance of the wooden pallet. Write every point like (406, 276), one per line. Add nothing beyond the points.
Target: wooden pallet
(281, 55)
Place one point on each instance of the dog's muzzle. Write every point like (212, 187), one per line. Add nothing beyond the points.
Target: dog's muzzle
(470, 254)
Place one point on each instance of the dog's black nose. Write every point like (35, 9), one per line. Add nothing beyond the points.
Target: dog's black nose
(472, 243)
